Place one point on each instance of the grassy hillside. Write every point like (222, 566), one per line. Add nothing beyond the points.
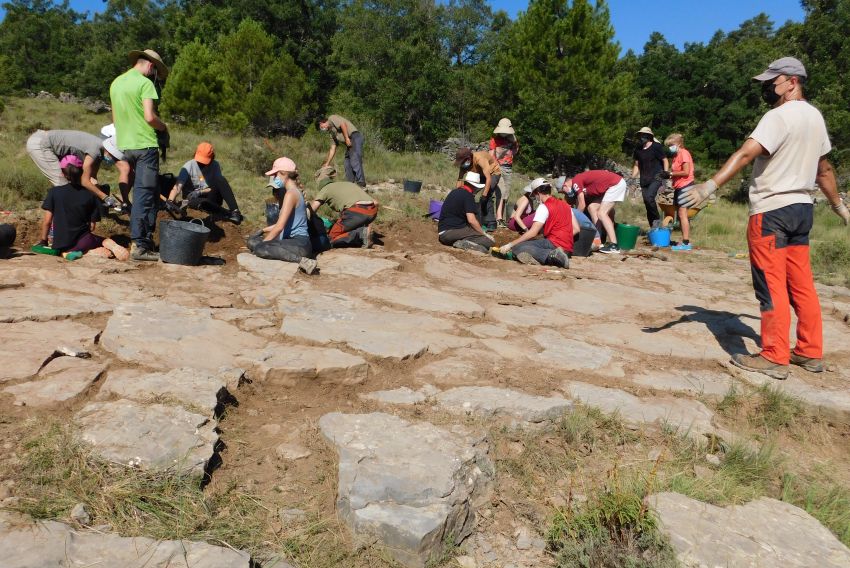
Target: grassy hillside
(243, 160)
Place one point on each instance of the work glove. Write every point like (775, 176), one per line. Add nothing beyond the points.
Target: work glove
(665, 175)
(194, 194)
(505, 249)
(172, 208)
(110, 201)
(841, 211)
(696, 194)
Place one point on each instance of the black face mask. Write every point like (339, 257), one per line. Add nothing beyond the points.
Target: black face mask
(645, 138)
(768, 93)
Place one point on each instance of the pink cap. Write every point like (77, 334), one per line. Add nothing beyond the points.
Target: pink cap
(282, 165)
(70, 160)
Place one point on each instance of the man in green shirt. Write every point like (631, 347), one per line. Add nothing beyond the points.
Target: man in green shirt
(357, 209)
(344, 132)
(136, 123)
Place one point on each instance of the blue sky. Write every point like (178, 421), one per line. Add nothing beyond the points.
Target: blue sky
(680, 21)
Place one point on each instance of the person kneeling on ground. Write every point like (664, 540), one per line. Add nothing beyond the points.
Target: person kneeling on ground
(458, 226)
(555, 218)
(74, 211)
(287, 239)
(597, 191)
(201, 182)
(357, 209)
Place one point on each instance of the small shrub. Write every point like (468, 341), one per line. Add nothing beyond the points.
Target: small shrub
(775, 409)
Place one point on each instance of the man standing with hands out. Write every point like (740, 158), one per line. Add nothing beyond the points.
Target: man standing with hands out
(136, 123)
(789, 147)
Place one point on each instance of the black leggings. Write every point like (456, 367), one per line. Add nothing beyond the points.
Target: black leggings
(650, 192)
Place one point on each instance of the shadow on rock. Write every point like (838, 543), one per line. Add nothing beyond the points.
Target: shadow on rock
(727, 327)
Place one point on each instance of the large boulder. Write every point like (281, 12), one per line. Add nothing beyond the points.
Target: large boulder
(410, 486)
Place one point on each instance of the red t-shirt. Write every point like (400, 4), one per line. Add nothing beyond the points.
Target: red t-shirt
(681, 158)
(595, 183)
(557, 219)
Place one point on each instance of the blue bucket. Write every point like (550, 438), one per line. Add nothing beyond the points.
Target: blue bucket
(659, 237)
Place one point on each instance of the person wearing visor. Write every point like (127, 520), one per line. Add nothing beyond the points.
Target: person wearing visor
(286, 239)
(204, 187)
(523, 214)
(458, 226)
(137, 125)
(48, 147)
(788, 149)
(486, 166)
(554, 218)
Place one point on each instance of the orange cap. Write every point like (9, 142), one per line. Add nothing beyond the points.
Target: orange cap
(205, 153)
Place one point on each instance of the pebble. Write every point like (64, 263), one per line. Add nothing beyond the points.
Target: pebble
(80, 514)
(713, 459)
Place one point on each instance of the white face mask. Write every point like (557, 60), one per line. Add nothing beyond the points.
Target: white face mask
(673, 149)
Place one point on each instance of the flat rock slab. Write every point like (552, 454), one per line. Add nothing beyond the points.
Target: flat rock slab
(64, 378)
(287, 365)
(155, 437)
(25, 346)
(764, 532)
(168, 336)
(495, 402)
(38, 304)
(194, 389)
(324, 318)
(427, 299)
(336, 263)
(691, 382)
(560, 352)
(690, 339)
(405, 396)
(470, 367)
(687, 416)
(264, 270)
(410, 486)
(481, 280)
(56, 544)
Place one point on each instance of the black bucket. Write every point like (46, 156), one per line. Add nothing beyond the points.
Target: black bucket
(182, 242)
(412, 186)
(584, 241)
(8, 234)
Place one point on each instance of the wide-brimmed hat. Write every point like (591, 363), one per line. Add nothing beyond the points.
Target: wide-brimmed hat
(646, 130)
(205, 153)
(282, 165)
(462, 155)
(504, 127)
(111, 145)
(474, 179)
(783, 66)
(151, 56)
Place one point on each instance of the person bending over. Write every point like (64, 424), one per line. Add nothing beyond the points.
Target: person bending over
(357, 210)
(201, 182)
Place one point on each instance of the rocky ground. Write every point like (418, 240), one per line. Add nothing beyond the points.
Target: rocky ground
(409, 405)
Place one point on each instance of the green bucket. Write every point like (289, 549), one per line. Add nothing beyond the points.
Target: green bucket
(627, 235)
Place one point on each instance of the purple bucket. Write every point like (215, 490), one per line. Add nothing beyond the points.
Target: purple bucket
(434, 209)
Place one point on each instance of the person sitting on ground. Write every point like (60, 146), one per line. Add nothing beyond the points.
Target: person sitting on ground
(288, 238)
(357, 210)
(554, 217)
(682, 174)
(47, 147)
(205, 188)
(597, 192)
(488, 168)
(458, 226)
(73, 211)
(523, 214)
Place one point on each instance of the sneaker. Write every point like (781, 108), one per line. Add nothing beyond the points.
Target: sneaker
(143, 254)
(610, 248)
(308, 265)
(235, 217)
(808, 363)
(73, 255)
(367, 237)
(464, 244)
(526, 258)
(759, 364)
(559, 258)
(681, 247)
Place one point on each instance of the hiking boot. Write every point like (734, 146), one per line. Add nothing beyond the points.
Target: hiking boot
(610, 248)
(808, 363)
(526, 258)
(559, 258)
(308, 265)
(235, 217)
(759, 364)
(142, 254)
(681, 247)
(367, 237)
(464, 244)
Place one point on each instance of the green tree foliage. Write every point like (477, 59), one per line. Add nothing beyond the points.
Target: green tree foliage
(392, 68)
(571, 101)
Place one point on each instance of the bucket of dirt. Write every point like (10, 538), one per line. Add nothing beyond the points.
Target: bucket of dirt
(182, 242)
(627, 235)
(659, 237)
(412, 185)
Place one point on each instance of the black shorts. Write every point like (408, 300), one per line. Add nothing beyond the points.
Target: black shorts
(678, 192)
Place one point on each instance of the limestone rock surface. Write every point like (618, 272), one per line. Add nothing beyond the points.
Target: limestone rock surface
(64, 378)
(493, 402)
(26, 345)
(191, 388)
(288, 364)
(39, 304)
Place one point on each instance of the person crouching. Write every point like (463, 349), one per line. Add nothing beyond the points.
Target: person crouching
(357, 210)
(458, 226)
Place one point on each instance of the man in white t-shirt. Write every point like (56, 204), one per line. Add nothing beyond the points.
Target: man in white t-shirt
(789, 148)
